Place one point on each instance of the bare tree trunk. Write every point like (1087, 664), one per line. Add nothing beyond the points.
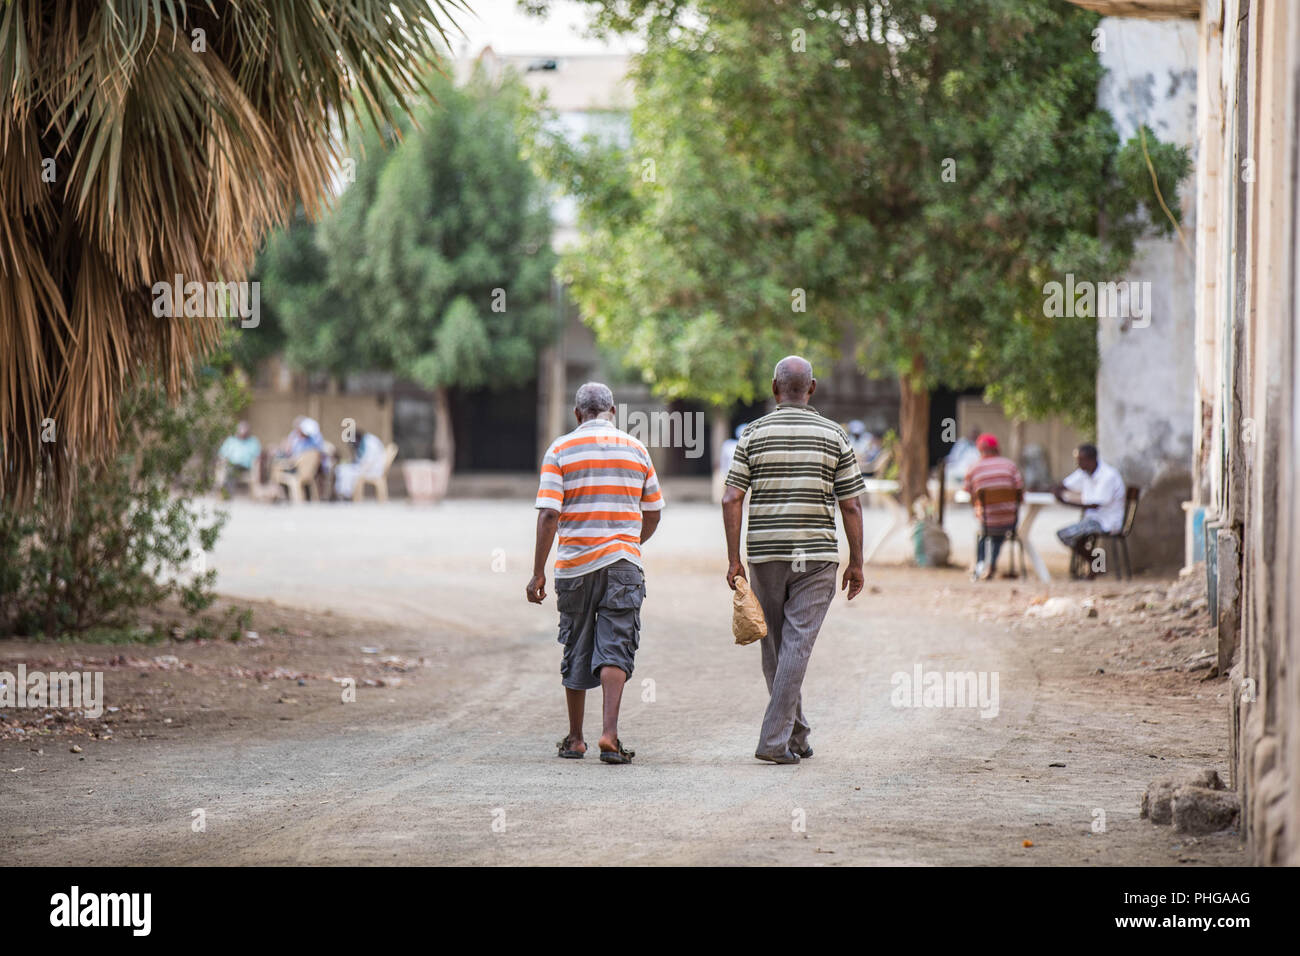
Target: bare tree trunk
(914, 431)
(444, 443)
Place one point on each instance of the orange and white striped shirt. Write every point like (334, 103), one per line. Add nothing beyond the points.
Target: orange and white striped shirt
(599, 479)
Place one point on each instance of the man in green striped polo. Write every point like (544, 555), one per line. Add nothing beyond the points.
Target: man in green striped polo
(797, 466)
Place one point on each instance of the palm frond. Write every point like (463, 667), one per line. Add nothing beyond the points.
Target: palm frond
(168, 156)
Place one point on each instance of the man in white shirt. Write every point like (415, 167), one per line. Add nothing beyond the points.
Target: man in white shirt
(1099, 490)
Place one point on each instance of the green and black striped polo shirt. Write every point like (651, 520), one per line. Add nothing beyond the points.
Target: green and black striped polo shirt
(796, 465)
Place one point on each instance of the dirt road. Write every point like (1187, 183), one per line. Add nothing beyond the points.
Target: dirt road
(447, 754)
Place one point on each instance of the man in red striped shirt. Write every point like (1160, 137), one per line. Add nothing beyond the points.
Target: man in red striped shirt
(600, 492)
(997, 518)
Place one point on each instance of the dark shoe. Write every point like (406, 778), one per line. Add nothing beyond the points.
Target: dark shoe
(786, 757)
(802, 754)
(564, 750)
(617, 756)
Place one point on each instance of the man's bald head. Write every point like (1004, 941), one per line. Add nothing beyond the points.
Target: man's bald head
(792, 380)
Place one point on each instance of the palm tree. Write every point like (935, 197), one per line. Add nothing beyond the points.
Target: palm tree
(142, 140)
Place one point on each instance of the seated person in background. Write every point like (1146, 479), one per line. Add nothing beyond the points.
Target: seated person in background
(1099, 489)
(238, 455)
(991, 470)
(368, 454)
(312, 439)
(304, 436)
(309, 436)
(293, 444)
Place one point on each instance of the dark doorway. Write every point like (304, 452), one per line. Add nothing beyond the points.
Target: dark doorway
(495, 430)
(943, 406)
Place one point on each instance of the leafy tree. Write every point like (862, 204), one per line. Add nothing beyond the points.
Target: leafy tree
(436, 265)
(915, 170)
(672, 270)
(134, 533)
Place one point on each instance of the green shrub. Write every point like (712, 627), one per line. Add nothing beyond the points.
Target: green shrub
(134, 532)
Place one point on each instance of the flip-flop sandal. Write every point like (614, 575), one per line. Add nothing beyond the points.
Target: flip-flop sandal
(617, 756)
(562, 749)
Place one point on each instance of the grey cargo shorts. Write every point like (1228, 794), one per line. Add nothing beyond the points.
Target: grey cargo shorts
(600, 622)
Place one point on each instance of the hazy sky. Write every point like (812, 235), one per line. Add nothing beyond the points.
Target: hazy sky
(508, 30)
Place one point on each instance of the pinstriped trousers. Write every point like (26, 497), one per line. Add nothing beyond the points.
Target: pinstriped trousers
(794, 605)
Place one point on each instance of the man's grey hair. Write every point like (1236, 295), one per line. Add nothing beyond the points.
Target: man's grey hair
(793, 375)
(593, 399)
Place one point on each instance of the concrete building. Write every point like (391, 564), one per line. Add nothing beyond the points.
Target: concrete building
(1246, 448)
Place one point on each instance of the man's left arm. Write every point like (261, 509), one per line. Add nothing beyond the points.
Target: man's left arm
(733, 515)
(652, 502)
(849, 487)
(854, 578)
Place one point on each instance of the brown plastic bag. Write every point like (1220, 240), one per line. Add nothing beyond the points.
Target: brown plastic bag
(747, 622)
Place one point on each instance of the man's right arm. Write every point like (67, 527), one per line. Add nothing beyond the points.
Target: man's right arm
(733, 514)
(550, 499)
(733, 507)
(548, 519)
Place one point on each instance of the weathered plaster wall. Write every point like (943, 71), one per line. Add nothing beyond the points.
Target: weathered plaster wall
(1147, 375)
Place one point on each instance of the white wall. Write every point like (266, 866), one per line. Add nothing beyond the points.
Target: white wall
(1147, 378)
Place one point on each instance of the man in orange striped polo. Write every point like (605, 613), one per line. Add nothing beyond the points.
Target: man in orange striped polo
(599, 490)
